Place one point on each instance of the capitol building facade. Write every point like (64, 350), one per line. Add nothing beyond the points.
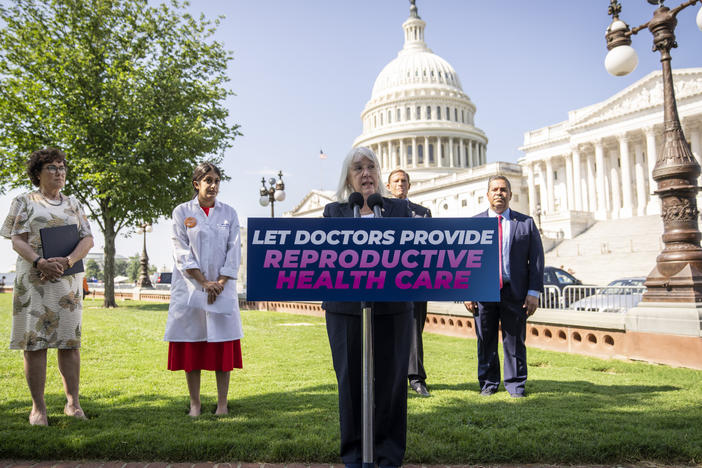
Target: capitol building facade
(418, 116)
(594, 166)
(597, 165)
(587, 181)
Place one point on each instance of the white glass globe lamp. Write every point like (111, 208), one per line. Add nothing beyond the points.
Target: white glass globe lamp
(279, 195)
(144, 228)
(699, 19)
(264, 200)
(621, 60)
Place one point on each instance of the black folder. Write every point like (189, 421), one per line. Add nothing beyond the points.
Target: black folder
(60, 241)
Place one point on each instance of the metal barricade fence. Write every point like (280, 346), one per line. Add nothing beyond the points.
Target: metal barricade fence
(611, 299)
(592, 298)
(574, 293)
(550, 298)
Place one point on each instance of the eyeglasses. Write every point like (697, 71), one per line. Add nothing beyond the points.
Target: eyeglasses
(54, 169)
(370, 167)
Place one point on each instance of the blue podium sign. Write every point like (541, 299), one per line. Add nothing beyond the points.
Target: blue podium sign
(372, 259)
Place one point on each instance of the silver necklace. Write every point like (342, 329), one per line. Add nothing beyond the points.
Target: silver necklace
(49, 202)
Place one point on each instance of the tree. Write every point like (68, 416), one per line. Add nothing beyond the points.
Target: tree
(92, 270)
(133, 268)
(121, 266)
(134, 94)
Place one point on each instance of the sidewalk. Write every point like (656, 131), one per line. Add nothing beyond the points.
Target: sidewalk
(119, 464)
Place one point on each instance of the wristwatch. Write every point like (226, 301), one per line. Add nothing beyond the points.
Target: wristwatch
(36, 261)
(70, 261)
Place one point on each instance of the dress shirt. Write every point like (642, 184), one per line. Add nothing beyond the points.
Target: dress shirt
(506, 230)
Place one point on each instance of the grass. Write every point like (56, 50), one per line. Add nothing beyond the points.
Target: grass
(283, 404)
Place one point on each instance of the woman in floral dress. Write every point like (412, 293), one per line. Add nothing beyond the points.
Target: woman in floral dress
(46, 306)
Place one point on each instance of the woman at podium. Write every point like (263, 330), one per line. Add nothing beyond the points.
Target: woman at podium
(392, 322)
(47, 305)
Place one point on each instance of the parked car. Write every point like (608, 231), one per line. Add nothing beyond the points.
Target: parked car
(164, 278)
(558, 277)
(561, 279)
(618, 296)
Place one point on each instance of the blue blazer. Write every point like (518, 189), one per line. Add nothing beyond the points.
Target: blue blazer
(392, 208)
(419, 210)
(526, 254)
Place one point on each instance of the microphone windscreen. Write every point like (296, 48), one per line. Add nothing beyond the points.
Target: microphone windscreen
(375, 200)
(356, 199)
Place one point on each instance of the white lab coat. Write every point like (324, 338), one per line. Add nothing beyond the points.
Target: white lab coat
(213, 245)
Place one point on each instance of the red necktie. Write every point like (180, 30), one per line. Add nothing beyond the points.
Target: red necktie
(499, 240)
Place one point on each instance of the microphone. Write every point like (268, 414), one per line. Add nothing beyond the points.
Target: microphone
(375, 202)
(356, 202)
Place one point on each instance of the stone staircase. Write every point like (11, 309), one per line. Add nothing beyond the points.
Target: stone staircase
(611, 249)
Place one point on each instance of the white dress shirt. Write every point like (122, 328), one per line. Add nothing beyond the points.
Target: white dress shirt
(506, 231)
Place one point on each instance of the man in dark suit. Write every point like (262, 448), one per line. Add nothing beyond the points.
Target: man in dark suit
(399, 185)
(521, 280)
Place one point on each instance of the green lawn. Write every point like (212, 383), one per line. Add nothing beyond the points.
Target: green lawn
(283, 404)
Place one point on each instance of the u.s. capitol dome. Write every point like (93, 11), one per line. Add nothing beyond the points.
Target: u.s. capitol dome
(418, 117)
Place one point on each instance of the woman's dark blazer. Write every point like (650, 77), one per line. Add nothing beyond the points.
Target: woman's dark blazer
(392, 208)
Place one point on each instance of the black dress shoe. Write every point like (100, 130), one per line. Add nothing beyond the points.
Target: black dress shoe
(420, 389)
(487, 391)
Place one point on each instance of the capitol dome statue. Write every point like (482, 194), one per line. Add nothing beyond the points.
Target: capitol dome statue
(418, 116)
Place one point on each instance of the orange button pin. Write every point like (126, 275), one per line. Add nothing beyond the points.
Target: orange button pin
(190, 222)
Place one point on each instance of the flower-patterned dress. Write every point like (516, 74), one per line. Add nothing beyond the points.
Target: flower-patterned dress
(45, 314)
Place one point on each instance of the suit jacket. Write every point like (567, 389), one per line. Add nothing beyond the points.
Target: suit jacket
(419, 211)
(392, 208)
(526, 254)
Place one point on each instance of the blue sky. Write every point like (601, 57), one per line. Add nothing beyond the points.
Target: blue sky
(303, 71)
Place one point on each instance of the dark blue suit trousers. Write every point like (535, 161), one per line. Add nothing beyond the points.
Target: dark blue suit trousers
(510, 313)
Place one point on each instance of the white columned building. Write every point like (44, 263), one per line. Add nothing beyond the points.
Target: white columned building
(418, 116)
(598, 163)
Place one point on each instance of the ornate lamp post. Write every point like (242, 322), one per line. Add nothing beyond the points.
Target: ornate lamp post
(273, 193)
(144, 281)
(677, 276)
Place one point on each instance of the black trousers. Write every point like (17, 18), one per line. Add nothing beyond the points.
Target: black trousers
(415, 371)
(391, 336)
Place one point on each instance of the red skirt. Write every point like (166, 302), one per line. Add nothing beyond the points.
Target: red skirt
(203, 355)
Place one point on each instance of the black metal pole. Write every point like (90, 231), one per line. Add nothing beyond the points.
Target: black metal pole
(368, 386)
(144, 281)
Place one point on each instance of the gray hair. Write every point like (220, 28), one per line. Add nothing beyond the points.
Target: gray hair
(345, 188)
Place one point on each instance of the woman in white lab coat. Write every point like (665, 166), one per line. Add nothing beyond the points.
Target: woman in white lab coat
(204, 326)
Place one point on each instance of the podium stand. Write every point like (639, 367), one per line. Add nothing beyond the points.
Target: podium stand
(368, 386)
